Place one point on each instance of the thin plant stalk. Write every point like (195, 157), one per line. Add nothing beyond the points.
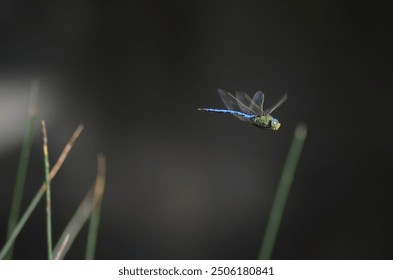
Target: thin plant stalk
(95, 215)
(82, 214)
(283, 188)
(48, 193)
(74, 226)
(33, 204)
(22, 165)
(62, 246)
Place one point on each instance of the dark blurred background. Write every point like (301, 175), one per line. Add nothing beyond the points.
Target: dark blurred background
(186, 185)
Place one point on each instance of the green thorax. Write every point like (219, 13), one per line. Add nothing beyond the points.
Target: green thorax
(263, 121)
(266, 122)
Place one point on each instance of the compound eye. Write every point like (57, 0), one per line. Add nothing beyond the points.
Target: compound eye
(275, 125)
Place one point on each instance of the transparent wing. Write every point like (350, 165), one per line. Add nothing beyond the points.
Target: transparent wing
(276, 105)
(229, 101)
(257, 102)
(246, 104)
(232, 103)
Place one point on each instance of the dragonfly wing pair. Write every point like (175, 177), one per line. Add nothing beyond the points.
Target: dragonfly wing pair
(247, 105)
(242, 102)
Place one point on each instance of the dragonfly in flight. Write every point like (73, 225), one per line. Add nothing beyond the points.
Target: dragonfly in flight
(249, 109)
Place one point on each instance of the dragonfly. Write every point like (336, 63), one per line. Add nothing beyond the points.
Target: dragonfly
(249, 109)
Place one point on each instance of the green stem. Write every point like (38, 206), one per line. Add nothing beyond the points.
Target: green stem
(283, 188)
(33, 204)
(95, 215)
(48, 193)
(22, 166)
(93, 232)
(20, 224)
(74, 226)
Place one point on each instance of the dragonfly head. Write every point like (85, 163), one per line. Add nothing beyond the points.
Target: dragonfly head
(275, 124)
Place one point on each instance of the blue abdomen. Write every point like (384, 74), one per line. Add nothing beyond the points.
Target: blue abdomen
(231, 112)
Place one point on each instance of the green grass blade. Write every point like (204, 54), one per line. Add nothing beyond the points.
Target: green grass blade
(283, 188)
(95, 215)
(22, 165)
(48, 194)
(82, 214)
(74, 226)
(33, 204)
